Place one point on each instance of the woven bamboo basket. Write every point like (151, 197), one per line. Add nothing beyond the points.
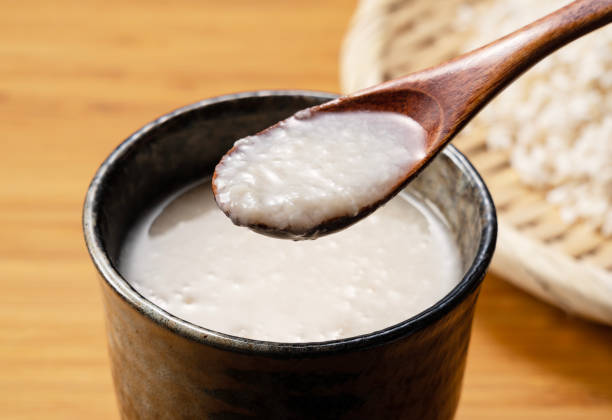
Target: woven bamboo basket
(569, 266)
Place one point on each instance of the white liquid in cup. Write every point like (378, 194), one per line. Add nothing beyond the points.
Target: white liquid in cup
(189, 259)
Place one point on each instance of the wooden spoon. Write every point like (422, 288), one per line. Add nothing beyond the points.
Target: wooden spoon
(445, 98)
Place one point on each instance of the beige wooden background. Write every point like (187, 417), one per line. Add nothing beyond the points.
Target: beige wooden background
(76, 77)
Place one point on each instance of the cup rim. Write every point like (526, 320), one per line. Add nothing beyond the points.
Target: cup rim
(470, 281)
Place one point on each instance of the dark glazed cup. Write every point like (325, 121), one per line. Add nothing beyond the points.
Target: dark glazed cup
(167, 368)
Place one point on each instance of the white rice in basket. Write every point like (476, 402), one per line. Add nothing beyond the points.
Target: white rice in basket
(556, 120)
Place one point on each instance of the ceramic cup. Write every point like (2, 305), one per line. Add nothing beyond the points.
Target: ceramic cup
(166, 368)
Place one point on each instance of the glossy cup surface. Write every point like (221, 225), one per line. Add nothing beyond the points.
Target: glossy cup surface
(164, 367)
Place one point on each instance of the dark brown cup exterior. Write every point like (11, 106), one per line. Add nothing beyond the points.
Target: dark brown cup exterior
(166, 368)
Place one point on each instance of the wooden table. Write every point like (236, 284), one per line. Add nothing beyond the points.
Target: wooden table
(77, 77)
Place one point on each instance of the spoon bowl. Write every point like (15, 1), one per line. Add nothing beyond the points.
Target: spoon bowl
(419, 106)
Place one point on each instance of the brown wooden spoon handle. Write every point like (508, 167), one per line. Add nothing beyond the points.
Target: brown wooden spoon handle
(464, 85)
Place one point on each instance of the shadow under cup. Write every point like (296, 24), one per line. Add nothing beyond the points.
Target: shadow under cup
(164, 367)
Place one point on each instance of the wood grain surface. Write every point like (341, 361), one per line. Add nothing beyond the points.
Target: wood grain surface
(78, 77)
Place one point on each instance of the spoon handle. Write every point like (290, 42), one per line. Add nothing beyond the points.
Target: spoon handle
(464, 85)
